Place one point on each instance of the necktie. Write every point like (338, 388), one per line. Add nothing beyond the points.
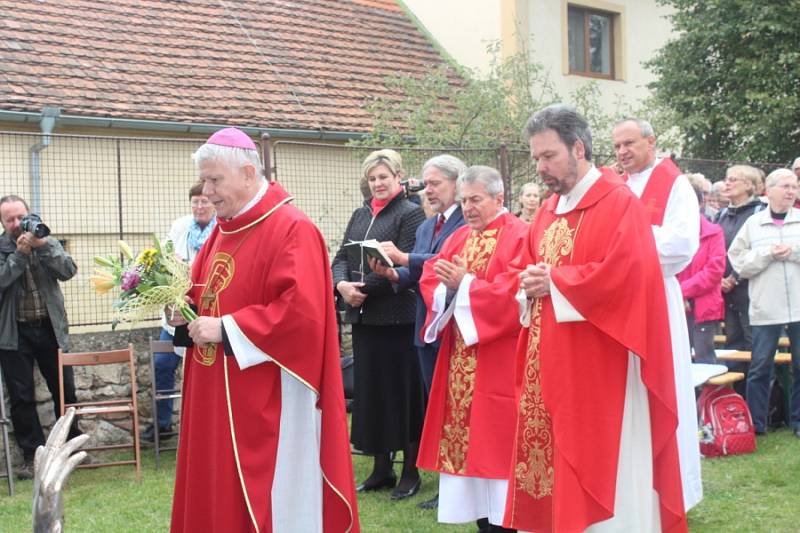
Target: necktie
(438, 227)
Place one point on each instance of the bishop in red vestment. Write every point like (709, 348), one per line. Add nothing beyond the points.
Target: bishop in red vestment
(264, 436)
(595, 447)
(469, 424)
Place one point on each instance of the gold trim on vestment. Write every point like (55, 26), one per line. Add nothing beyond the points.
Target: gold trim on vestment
(478, 251)
(534, 474)
(259, 219)
(235, 446)
(219, 277)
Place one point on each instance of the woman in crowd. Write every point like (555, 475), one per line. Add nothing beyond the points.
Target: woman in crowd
(766, 251)
(529, 198)
(742, 183)
(700, 285)
(387, 408)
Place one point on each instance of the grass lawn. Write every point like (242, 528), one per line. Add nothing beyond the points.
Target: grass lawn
(751, 493)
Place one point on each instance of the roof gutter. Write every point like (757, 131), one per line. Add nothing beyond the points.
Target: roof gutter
(177, 127)
(47, 122)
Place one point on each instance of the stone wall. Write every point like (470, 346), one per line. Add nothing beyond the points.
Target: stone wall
(101, 383)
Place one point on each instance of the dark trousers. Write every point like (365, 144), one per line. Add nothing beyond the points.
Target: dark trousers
(765, 344)
(738, 334)
(39, 345)
(427, 362)
(165, 365)
(701, 337)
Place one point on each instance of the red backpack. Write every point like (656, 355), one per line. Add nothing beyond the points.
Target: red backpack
(726, 427)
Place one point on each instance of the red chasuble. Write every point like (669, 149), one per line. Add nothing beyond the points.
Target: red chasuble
(469, 425)
(571, 376)
(659, 186)
(268, 269)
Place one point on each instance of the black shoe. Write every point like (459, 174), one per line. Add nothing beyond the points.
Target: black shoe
(26, 470)
(385, 483)
(148, 434)
(401, 494)
(433, 503)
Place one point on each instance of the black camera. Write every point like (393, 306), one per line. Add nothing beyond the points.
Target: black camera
(412, 185)
(33, 223)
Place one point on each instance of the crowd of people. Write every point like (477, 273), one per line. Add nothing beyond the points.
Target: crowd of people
(479, 337)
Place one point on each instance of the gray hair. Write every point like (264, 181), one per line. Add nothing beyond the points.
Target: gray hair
(776, 175)
(7, 199)
(450, 166)
(645, 128)
(796, 163)
(568, 124)
(233, 157)
(489, 177)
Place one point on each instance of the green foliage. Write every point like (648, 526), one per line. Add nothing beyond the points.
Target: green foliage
(732, 78)
(454, 110)
(756, 492)
(449, 109)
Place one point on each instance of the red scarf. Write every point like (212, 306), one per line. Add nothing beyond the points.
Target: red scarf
(378, 205)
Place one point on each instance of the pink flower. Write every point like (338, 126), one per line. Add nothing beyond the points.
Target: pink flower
(130, 280)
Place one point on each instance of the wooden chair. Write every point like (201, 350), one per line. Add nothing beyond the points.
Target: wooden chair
(126, 405)
(5, 421)
(160, 394)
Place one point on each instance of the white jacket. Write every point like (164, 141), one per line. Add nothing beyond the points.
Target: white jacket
(774, 286)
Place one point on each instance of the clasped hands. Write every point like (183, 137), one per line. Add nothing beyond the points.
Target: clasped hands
(781, 252)
(535, 280)
(202, 330)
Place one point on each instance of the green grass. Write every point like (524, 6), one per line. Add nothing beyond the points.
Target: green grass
(751, 493)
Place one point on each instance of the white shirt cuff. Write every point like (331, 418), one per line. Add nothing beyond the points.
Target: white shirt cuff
(463, 312)
(247, 354)
(563, 309)
(441, 316)
(525, 306)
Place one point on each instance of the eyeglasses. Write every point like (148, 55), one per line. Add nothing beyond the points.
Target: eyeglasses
(200, 203)
(733, 179)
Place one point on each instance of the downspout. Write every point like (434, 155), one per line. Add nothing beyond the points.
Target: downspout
(47, 123)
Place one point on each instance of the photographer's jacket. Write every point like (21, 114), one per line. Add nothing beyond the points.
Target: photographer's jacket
(50, 264)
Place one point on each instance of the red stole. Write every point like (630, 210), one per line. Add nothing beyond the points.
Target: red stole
(659, 185)
(268, 268)
(571, 375)
(469, 423)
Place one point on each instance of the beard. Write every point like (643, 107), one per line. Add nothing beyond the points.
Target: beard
(564, 184)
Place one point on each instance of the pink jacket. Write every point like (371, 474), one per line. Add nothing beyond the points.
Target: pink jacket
(701, 281)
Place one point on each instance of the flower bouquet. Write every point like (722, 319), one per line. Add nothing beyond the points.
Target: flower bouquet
(149, 281)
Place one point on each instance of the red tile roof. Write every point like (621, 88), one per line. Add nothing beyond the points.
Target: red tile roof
(294, 64)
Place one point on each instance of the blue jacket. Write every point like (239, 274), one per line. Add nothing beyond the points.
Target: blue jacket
(425, 247)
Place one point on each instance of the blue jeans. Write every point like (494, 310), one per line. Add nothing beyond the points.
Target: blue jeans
(765, 343)
(165, 364)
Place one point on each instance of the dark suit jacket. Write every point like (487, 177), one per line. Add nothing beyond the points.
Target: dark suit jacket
(425, 247)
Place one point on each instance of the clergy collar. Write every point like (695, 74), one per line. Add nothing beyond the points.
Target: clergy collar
(568, 202)
(262, 190)
(646, 171)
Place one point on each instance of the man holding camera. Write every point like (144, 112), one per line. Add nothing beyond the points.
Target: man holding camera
(33, 321)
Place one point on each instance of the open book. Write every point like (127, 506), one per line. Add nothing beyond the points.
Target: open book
(371, 248)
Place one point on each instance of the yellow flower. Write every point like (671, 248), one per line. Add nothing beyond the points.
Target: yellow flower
(101, 281)
(147, 258)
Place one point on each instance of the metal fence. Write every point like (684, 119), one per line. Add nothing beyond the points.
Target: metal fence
(94, 190)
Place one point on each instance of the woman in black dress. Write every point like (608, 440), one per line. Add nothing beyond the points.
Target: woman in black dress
(388, 406)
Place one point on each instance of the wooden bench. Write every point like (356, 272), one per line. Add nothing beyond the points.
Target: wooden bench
(720, 340)
(783, 371)
(781, 358)
(727, 379)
